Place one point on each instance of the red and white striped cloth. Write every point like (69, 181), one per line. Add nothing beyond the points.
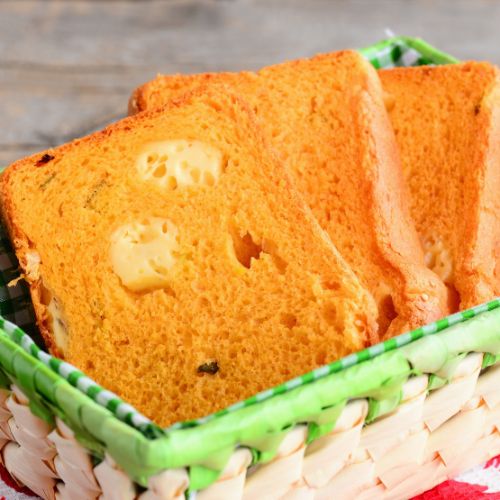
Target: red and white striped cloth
(482, 482)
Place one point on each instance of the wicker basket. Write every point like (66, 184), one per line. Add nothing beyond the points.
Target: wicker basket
(430, 436)
(388, 422)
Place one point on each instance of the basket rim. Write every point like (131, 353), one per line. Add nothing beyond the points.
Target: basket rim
(376, 373)
(405, 51)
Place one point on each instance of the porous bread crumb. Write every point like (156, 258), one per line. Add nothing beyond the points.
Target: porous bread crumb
(327, 119)
(447, 125)
(289, 305)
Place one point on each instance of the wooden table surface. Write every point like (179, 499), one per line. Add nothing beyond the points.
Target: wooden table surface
(68, 67)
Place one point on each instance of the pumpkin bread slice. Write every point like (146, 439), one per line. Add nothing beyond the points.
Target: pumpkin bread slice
(447, 125)
(170, 258)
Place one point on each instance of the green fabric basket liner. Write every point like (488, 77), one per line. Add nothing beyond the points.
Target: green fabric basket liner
(260, 422)
(405, 51)
(104, 423)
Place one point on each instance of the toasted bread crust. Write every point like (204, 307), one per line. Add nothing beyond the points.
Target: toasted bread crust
(21, 245)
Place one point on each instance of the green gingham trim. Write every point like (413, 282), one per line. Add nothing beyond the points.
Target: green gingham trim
(351, 360)
(78, 379)
(404, 51)
(131, 416)
(15, 300)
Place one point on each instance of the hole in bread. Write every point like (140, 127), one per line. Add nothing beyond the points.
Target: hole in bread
(330, 285)
(152, 158)
(168, 290)
(320, 357)
(160, 170)
(172, 182)
(288, 320)
(313, 104)
(203, 303)
(245, 249)
(453, 297)
(271, 248)
(330, 313)
(387, 308)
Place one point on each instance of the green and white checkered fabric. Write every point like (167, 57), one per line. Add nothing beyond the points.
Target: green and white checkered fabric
(128, 414)
(15, 301)
(76, 378)
(351, 360)
(404, 51)
(15, 304)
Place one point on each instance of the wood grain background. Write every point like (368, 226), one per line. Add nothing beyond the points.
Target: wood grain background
(68, 67)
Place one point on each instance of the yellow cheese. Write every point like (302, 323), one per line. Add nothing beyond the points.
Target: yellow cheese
(173, 164)
(142, 253)
(58, 324)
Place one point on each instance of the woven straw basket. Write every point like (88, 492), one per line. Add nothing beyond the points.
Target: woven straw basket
(385, 423)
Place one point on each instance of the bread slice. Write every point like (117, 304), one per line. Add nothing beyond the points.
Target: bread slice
(171, 259)
(326, 116)
(447, 124)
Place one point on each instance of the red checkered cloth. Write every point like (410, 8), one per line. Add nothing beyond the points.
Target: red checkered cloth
(482, 482)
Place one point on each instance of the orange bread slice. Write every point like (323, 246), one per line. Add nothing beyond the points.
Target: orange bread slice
(447, 124)
(171, 259)
(327, 119)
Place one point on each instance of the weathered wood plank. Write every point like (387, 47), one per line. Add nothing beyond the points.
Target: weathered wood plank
(68, 67)
(193, 35)
(10, 153)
